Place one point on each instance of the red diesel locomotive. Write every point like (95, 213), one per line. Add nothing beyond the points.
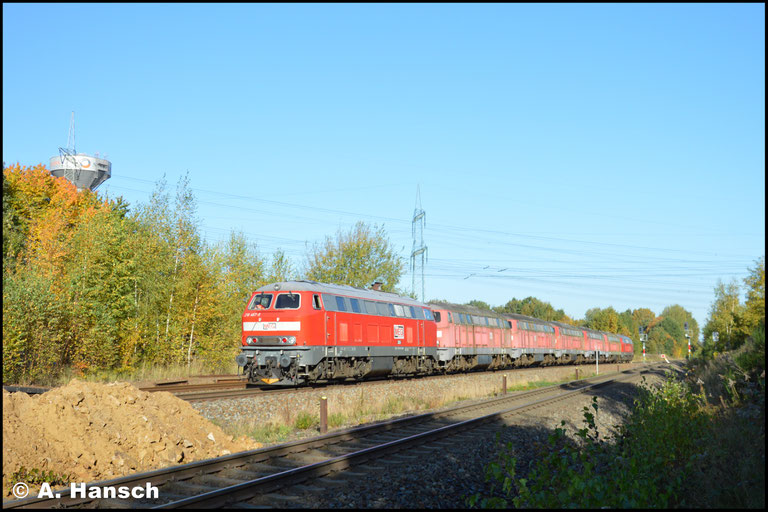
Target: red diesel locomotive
(297, 332)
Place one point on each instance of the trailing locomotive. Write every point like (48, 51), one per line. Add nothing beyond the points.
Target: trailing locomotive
(297, 332)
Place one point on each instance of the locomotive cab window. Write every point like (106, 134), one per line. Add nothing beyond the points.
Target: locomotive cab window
(260, 301)
(288, 301)
(437, 316)
(316, 301)
(428, 315)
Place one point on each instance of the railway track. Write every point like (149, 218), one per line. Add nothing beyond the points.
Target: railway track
(256, 475)
(201, 392)
(229, 386)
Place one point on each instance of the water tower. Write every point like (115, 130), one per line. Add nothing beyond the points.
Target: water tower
(85, 171)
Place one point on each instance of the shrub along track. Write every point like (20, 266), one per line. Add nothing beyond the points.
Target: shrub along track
(259, 473)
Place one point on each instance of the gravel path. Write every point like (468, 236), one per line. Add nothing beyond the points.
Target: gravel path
(444, 477)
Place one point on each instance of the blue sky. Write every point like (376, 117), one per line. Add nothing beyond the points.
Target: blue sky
(588, 155)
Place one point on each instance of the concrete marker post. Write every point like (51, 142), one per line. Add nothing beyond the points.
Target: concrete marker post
(323, 415)
(504, 384)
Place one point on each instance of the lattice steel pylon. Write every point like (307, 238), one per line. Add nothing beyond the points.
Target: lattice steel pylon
(419, 249)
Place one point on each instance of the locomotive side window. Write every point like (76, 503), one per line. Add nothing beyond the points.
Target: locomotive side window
(370, 307)
(341, 304)
(330, 302)
(355, 305)
(288, 301)
(260, 301)
(437, 316)
(399, 310)
(428, 315)
(391, 309)
(382, 309)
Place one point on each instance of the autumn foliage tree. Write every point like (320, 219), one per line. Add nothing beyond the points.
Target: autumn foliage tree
(358, 257)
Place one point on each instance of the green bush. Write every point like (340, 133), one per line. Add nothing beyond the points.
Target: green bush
(37, 476)
(644, 465)
(305, 420)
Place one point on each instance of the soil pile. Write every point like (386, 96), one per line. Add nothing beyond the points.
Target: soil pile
(93, 431)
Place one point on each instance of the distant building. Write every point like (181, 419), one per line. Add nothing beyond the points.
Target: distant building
(84, 171)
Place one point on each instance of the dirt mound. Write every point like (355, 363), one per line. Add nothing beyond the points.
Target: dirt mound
(94, 431)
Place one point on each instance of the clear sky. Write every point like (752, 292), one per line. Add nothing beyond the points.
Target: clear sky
(588, 155)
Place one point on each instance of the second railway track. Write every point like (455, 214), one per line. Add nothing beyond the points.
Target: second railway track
(256, 475)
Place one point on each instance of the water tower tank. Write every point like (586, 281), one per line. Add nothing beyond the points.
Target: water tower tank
(85, 171)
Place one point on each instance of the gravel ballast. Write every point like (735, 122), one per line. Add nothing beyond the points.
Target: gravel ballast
(444, 477)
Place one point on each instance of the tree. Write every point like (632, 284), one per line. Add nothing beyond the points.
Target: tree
(602, 319)
(722, 318)
(281, 268)
(479, 304)
(627, 325)
(357, 258)
(754, 308)
(680, 316)
(531, 306)
(643, 317)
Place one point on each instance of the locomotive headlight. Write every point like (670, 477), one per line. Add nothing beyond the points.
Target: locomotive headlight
(252, 340)
(288, 340)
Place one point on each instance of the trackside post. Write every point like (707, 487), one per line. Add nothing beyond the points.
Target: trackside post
(323, 415)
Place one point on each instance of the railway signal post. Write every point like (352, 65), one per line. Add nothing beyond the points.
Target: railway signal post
(643, 337)
(688, 338)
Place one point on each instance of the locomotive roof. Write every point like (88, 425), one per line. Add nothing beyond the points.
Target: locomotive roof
(464, 308)
(568, 326)
(517, 316)
(341, 289)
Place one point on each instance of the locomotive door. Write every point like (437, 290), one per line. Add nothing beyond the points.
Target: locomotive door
(330, 328)
(420, 341)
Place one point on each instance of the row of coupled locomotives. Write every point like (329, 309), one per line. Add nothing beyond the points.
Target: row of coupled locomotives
(300, 332)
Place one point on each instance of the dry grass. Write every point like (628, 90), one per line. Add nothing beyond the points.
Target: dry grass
(143, 373)
(366, 406)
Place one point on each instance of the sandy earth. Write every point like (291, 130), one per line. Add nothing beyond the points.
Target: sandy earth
(94, 431)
